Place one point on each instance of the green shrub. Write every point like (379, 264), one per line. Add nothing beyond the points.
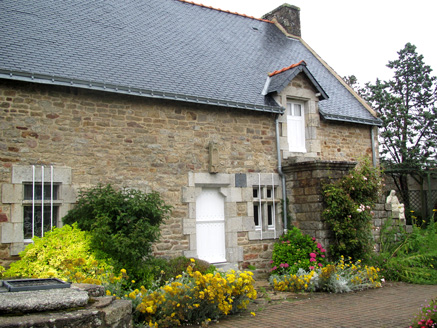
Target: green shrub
(123, 224)
(348, 211)
(49, 256)
(295, 250)
(408, 257)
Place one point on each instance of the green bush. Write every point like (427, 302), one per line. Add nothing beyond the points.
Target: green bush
(295, 250)
(123, 224)
(348, 211)
(50, 256)
(408, 257)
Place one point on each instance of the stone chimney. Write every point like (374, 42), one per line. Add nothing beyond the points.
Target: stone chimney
(288, 17)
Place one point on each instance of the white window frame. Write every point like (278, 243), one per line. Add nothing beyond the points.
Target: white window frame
(12, 232)
(49, 201)
(296, 126)
(265, 202)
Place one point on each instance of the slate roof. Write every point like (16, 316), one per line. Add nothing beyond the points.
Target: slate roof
(278, 80)
(159, 48)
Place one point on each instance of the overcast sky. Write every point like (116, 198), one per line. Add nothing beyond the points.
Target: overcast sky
(357, 37)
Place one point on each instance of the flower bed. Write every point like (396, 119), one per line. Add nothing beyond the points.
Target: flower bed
(195, 298)
(338, 278)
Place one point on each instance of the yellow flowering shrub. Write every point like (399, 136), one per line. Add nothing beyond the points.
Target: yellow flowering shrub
(194, 297)
(53, 255)
(337, 278)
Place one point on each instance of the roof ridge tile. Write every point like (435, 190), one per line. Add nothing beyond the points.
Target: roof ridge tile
(302, 62)
(226, 11)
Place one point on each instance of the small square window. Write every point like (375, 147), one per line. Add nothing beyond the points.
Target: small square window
(264, 207)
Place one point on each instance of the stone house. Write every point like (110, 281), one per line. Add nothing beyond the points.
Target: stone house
(225, 115)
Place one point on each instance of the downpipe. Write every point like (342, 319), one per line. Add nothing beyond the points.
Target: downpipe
(281, 174)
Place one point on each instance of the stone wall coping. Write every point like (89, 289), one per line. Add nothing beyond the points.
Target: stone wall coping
(311, 165)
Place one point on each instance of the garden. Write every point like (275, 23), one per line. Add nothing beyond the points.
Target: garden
(107, 240)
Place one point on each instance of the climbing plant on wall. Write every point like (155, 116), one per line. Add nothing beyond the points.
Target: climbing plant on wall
(348, 211)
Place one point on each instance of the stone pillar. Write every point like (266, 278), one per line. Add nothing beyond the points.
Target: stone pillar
(304, 191)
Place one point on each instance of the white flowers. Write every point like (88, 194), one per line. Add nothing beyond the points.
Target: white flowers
(362, 208)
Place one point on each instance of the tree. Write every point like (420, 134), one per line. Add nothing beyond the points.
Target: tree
(406, 104)
(352, 81)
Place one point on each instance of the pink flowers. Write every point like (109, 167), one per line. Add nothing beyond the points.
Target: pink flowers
(313, 255)
(320, 247)
(313, 259)
(284, 265)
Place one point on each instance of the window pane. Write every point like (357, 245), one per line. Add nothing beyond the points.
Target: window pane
(256, 215)
(28, 190)
(27, 222)
(289, 108)
(255, 193)
(270, 215)
(297, 110)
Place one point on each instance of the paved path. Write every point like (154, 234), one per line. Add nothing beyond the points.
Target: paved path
(394, 305)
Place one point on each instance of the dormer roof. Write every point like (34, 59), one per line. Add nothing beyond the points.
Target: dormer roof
(279, 79)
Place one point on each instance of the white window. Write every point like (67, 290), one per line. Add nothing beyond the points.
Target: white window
(40, 213)
(296, 127)
(39, 196)
(264, 208)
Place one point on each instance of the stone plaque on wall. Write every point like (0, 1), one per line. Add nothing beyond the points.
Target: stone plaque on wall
(240, 180)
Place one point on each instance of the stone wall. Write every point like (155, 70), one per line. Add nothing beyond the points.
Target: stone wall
(304, 187)
(345, 141)
(128, 141)
(162, 145)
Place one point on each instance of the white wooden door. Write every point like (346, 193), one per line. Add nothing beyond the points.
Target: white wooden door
(210, 226)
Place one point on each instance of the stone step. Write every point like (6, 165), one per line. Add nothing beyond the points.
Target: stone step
(42, 300)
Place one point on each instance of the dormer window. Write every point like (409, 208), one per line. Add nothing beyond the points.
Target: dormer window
(296, 126)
